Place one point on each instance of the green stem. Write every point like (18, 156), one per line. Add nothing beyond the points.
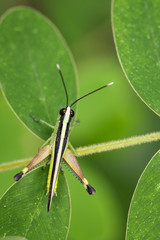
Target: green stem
(102, 147)
(14, 164)
(108, 146)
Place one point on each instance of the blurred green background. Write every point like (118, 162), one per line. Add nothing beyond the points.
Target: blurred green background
(114, 113)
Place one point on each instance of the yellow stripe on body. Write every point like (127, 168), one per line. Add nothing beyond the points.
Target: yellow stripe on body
(58, 159)
(52, 158)
(50, 171)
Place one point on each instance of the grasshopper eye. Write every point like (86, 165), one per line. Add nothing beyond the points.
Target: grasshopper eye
(72, 113)
(62, 111)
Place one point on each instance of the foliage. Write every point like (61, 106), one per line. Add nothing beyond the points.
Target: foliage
(136, 28)
(30, 48)
(24, 209)
(28, 90)
(27, 36)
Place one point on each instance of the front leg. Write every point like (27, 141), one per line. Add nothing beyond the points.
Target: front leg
(42, 121)
(46, 142)
(75, 124)
(73, 149)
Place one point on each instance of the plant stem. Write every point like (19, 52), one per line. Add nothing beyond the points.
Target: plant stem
(108, 146)
(102, 147)
(14, 164)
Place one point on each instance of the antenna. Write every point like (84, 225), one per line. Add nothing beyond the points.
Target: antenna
(58, 67)
(91, 93)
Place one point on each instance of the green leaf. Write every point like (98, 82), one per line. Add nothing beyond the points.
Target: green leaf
(30, 48)
(144, 214)
(24, 209)
(137, 37)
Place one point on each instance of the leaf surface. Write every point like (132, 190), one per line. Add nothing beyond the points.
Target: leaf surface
(137, 37)
(30, 48)
(23, 209)
(144, 214)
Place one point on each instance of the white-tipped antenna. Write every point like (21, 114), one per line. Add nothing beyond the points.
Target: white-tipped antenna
(59, 69)
(91, 93)
(110, 83)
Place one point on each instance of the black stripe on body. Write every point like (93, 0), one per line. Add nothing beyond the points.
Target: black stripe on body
(57, 143)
